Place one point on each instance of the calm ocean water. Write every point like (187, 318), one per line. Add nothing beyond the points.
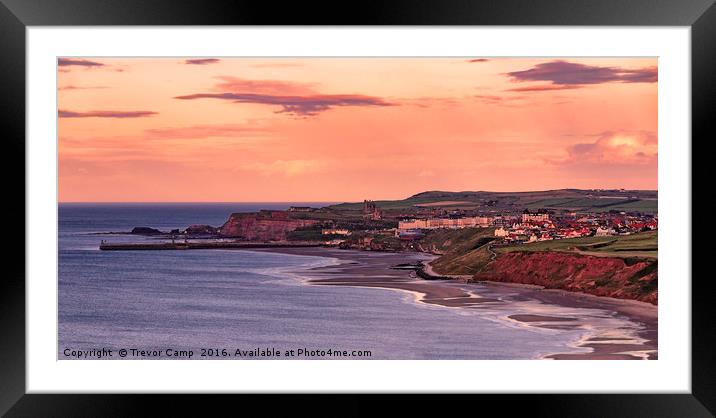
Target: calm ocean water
(189, 300)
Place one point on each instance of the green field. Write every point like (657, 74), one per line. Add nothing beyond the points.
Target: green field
(545, 203)
(388, 204)
(642, 245)
(648, 206)
(563, 199)
(597, 205)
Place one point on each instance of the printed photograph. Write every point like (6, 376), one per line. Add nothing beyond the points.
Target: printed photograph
(355, 208)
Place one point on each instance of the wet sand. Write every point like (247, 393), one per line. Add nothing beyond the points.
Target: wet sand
(539, 318)
(392, 271)
(643, 313)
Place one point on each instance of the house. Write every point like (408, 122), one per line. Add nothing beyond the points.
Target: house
(333, 231)
(540, 216)
(603, 232)
(451, 223)
(501, 232)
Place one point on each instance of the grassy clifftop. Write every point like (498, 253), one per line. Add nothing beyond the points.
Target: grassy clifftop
(464, 250)
(641, 245)
(616, 266)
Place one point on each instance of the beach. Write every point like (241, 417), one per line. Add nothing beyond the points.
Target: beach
(532, 305)
(248, 298)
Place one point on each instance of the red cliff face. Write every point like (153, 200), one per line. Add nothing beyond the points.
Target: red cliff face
(262, 226)
(601, 276)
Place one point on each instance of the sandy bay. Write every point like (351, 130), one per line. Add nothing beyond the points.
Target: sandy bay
(532, 305)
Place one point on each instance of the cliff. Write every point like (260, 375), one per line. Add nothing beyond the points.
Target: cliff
(262, 226)
(624, 278)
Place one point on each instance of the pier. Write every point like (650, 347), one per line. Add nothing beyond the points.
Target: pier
(151, 246)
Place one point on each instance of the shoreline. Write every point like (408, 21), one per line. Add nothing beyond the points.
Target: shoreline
(427, 269)
(378, 270)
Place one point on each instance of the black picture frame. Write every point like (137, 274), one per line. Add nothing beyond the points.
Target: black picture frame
(16, 15)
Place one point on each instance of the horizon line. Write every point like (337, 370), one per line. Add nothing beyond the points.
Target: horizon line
(341, 201)
(196, 201)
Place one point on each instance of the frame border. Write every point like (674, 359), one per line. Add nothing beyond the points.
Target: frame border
(16, 15)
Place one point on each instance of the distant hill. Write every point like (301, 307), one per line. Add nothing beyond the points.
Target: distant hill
(597, 200)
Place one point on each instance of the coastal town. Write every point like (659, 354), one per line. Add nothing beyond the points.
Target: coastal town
(539, 225)
(509, 228)
(404, 225)
(603, 242)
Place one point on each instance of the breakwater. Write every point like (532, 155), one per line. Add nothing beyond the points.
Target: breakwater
(151, 246)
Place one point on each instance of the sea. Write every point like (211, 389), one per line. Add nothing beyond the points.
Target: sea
(243, 304)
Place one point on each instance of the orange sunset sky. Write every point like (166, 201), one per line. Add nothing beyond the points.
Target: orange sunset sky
(348, 129)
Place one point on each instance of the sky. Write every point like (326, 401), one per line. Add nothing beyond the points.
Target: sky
(346, 129)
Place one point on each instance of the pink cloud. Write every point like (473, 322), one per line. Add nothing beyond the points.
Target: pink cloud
(275, 87)
(303, 106)
(105, 114)
(615, 148)
(71, 87)
(564, 72)
(546, 87)
(201, 61)
(68, 62)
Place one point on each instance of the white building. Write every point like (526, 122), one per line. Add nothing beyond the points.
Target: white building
(451, 223)
(539, 216)
(335, 232)
(501, 232)
(604, 232)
